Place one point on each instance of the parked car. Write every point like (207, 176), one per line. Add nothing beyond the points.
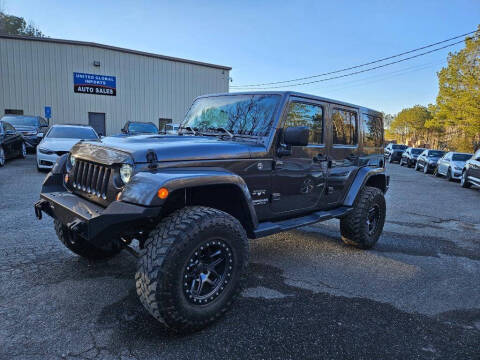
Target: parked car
(11, 143)
(451, 165)
(59, 140)
(259, 164)
(139, 128)
(427, 160)
(409, 157)
(32, 128)
(471, 171)
(394, 152)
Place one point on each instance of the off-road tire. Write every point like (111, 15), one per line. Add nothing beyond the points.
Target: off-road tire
(354, 227)
(82, 247)
(167, 253)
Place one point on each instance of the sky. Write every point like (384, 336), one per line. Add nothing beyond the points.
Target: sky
(266, 41)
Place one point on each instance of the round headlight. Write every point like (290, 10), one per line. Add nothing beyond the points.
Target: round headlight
(72, 160)
(126, 172)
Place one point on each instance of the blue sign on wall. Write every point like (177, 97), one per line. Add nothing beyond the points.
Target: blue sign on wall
(94, 84)
(48, 112)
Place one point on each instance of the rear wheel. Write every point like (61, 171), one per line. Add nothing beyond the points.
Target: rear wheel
(82, 247)
(464, 181)
(2, 157)
(364, 225)
(192, 267)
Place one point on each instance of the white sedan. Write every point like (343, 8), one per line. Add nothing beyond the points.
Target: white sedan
(58, 141)
(451, 165)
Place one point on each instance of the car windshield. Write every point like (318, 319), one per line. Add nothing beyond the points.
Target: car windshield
(21, 120)
(417, 151)
(399, 147)
(435, 153)
(72, 132)
(461, 157)
(239, 114)
(140, 128)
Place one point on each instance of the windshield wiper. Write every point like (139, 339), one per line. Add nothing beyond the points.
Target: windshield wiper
(188, 128)
(226, 132)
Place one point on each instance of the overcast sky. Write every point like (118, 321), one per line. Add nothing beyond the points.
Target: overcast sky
(266, 41)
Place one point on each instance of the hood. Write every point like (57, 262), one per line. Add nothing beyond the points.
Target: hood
(58, 144)
(434, 159)
(23, 128)
(459, 164)
(167, 148)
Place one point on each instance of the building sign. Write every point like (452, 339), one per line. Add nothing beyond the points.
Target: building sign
(94, 84)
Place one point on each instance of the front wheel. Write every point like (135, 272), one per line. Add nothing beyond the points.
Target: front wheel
(82, 247)
(23, 151)
(449, 175)
(364, 225)
(192, 267)
(464, 181)
(425, 168)
(2, 157)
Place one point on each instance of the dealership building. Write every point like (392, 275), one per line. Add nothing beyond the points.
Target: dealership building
(104, 86)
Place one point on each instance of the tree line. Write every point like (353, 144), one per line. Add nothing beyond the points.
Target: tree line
(453, 122)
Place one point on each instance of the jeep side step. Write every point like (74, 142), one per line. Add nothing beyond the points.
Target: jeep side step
(269, 228)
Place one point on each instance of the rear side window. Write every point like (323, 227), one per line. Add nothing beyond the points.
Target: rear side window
(310, 115)
(372, 127)
(344, 125)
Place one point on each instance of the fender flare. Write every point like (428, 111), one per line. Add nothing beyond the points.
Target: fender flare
(362, 178)
(142, 188)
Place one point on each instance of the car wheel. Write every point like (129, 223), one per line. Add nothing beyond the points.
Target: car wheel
(2, 156)
(436, 173)
(401, 162)
(390, 159)
(82, 247)
(364, 225)
(449, 175)
(425, 168)
(464, 181)
(416, 167)
(192, 267)
(23, 153)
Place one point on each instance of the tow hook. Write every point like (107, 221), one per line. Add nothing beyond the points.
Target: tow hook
(39, 205)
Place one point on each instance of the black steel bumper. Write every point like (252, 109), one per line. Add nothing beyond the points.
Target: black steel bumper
(92, 221)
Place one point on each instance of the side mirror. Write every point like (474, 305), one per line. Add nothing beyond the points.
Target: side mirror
(296, 136)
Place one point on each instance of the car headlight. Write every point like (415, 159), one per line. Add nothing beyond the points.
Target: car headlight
(44, 151)
(457, 168)
(126, 172)
(72, 160)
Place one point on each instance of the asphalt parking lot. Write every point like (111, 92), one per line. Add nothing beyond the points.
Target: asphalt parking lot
(416, 295)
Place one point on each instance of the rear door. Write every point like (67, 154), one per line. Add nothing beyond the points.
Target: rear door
(343, 151)
(299, 178)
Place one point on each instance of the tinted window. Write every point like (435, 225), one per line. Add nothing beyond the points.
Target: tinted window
(399, 147)
(8, 127)
(344, 125)
(435, 153)
(239, 114)
(303, 114)
(138, 128)
(461, 157)
(417, 151)
(71, 132)
(372, 131)
(21, 120)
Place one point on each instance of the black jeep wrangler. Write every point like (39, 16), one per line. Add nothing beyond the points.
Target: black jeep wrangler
(243, 165)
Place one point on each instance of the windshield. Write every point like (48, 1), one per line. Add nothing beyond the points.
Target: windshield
(399, 147)
(461, 157)
(417, 151)
(139, 128)
(71, 132)
(21, 120)
(239, 114)
(435, 153)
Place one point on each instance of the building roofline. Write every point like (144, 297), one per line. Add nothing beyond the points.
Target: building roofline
(113, 48)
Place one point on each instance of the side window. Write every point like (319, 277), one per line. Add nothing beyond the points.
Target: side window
(8, 127)
(372, 131)
(344, 124)
(310, 115)
(43, 122)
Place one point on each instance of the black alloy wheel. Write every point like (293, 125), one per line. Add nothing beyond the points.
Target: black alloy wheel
(208, 271)
(373, 219)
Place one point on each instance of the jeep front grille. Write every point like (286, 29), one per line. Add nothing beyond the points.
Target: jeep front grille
(91, 178)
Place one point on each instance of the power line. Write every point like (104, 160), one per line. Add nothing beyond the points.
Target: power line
(357, 66)
(361, 71)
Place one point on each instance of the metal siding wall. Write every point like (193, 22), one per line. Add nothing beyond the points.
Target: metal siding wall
(34, 74)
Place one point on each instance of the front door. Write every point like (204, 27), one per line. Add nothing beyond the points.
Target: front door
(299, 176)
(97, 122)
(343, 152)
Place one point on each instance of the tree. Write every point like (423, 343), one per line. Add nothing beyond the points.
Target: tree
(458, 100)
(410, 123)
(14, 25)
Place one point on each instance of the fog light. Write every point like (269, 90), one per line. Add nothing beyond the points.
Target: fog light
(162, 193)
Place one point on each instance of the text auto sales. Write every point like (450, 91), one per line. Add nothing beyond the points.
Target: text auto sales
(94, 84)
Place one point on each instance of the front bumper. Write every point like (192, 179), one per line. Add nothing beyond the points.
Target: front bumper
(91, 221)
(31, 141)
(46, 161)
(396, 156)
